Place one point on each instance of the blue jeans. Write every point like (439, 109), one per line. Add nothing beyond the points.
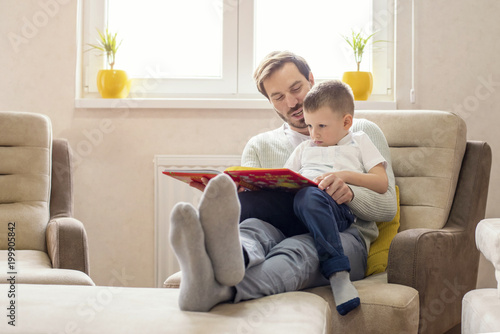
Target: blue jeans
(277, 264)
(310, 210)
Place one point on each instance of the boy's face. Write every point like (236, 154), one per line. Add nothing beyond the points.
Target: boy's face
(326, 127)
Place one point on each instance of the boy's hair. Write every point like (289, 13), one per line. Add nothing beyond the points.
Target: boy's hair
(274, 61)
(333, 94)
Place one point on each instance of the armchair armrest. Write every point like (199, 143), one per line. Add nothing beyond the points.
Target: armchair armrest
(67, 244)
(61, 197)
(442, 264)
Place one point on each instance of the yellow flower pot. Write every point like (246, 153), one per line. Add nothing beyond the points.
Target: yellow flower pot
(361, 84)
(113, 84)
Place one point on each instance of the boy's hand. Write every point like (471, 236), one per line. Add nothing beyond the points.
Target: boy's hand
(335, 187)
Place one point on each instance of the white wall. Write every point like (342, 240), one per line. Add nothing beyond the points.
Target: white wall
(456, 70)
(114, 171)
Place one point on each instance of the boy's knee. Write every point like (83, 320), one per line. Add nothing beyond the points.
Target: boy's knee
(309, 193)
(306, 197)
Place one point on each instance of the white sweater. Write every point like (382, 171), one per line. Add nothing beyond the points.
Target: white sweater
(272, 149)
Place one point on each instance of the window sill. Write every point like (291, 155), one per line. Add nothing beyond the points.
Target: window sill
(203, 103)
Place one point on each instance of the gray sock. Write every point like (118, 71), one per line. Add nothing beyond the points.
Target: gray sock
(199, 291)
(219, 216)
(345, 293)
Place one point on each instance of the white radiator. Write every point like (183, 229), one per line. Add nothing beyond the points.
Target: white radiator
(169, 191)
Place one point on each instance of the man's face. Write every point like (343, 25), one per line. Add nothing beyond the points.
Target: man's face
(287, 88)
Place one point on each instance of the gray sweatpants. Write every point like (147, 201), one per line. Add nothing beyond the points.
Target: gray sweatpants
(278, 264)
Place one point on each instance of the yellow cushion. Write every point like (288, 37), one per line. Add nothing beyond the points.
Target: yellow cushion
(379, 249)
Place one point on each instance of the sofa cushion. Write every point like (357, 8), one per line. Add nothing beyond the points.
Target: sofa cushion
(379, 249)
(25, 177)
(173, 281)
(107, 309)
(34, 267)
(427, 148)
(395, 307)
(385, 308)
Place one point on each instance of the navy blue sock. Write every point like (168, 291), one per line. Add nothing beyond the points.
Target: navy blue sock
(344, 292)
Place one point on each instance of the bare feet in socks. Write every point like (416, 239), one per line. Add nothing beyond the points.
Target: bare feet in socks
(219, 211)
(199, 291)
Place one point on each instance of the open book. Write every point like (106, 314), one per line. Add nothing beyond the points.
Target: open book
(251, 178)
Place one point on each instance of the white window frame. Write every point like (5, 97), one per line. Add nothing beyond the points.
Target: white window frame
(235, 90)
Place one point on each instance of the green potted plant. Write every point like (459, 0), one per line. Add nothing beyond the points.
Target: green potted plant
(111, 83)
(360, 82)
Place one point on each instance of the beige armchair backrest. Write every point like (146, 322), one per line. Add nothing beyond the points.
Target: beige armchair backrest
(427, 148)
(25, 178)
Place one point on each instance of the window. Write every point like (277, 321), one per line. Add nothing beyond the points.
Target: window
(174, 39)
(209, 48)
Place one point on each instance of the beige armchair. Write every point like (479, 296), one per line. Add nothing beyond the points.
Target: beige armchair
(36, 205)
(432, 262)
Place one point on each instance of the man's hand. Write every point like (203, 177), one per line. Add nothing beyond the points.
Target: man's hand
(198, 185)
(203, 185)
(335, 187)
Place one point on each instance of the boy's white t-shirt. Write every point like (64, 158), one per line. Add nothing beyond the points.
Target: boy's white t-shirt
(355, 152)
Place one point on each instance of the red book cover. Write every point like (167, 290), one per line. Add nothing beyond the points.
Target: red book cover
(269, 179)
(188, 176)
(281, 179)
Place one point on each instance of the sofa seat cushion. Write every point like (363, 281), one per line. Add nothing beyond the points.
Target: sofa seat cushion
(480, 310)
(101, 309)
(397, 305)
(385, 308)
(173, 281)
(34, 267)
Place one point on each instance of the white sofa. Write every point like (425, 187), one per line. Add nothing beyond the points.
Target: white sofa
(481, 307)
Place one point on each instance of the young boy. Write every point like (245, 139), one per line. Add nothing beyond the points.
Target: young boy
(332, 149)
(328, 113)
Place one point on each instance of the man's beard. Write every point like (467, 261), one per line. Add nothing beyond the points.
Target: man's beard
(299, 124)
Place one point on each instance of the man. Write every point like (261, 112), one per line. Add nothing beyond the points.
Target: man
(208, 242)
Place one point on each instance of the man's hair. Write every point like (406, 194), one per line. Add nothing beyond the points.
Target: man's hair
(274, 61)
(333, 94)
